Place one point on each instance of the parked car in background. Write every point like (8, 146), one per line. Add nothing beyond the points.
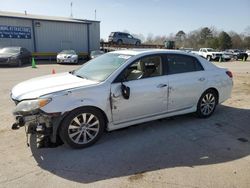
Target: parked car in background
(248, 52)
(237, 54)
(123, 38)
(67, 56)
(209, 54)
(116, 90)
(15, 56)
(96, 53)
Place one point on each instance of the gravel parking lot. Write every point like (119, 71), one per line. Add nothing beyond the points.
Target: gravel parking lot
(182, 151)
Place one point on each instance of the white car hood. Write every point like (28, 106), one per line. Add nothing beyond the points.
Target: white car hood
(39, 86)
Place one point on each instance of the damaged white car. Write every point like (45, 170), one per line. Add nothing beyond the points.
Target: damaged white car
(116, 90)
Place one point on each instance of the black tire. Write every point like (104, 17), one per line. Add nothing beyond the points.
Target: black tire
(236, 58)
(19, 63)
(119, 42)
(70, 127)
(209, 58)
(207, 104)
(137, 43)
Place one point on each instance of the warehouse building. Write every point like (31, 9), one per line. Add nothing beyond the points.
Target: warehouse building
(48, 35)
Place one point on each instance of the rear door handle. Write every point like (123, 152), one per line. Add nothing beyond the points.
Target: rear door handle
(162, 85)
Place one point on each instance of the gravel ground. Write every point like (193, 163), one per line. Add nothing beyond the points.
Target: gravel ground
(182, 151)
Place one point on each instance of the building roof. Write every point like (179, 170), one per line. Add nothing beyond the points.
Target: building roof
(41, 17)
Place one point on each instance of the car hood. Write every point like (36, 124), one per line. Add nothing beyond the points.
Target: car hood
(7, 55)
(39, 86)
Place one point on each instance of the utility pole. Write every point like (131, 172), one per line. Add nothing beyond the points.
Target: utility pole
(71, 12)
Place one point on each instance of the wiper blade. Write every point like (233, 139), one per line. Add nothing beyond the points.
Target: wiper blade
(79, 76)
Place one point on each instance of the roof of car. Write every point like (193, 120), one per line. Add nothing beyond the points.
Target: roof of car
(149, 51)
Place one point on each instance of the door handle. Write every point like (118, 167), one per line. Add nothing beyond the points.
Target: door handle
(201, 79)
(162, 85)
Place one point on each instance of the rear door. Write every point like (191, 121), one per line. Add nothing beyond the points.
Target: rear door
(186, 81)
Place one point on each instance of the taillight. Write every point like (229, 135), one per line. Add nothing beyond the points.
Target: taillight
(230, 74)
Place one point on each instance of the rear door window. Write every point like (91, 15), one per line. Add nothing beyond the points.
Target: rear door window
(182, 64)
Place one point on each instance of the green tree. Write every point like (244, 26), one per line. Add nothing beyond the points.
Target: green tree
(225, 41)
(206, 33)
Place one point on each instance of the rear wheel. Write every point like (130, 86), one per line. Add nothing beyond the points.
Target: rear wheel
(82, 127)
(207, 104)
(137, 43)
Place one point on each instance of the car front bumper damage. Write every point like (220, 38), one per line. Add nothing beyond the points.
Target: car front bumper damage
(41, 124)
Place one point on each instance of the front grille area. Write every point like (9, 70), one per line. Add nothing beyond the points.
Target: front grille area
(3, 60)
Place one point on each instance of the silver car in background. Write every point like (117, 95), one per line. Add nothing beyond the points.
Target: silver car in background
(67, 56)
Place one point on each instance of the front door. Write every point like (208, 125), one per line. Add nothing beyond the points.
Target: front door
(148, 91)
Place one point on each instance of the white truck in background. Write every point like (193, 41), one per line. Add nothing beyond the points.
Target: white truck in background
(211, 54)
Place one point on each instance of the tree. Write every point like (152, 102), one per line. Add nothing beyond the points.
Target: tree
(247, 42)
(236, 40)
(180, 35)
(206, 33)
(225, 41)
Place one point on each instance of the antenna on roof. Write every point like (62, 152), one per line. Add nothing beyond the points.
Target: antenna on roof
(25, 12)
(95, 14)
(71, 12)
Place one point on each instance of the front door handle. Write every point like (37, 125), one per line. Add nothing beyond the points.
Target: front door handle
(201, 79)
(162, 85)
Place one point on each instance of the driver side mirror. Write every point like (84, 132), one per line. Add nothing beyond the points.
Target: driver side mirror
(125, 91)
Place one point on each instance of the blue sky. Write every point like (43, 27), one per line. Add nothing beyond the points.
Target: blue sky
(159, 17)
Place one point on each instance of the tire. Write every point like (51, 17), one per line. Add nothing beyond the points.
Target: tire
(19, 63)
(235, 58)
(207, 104)
(209, 58)
(82, 127)
(137, 43)
(119, 42)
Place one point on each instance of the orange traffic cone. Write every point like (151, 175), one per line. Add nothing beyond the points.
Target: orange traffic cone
(53, 71)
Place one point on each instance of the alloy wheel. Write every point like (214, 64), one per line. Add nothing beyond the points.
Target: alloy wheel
(208, 104)
(83, 128)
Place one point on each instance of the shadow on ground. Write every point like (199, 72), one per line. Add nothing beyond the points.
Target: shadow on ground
(172, 142)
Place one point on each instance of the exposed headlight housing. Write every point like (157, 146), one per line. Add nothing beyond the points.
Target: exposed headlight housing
(30, 106)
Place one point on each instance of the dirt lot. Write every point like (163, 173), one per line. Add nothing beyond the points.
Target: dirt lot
(183, 151)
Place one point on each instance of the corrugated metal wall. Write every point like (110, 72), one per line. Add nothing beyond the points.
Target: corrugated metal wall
(57, 36)
(54, 36)
(94, 34)
(26, 43)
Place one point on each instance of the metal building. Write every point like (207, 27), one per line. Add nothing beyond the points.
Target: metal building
(47, 34)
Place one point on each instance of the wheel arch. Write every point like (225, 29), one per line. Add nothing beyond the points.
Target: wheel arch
(216, 92)
(57, 126)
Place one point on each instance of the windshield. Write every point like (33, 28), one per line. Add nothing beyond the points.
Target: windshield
(10, 50)
(68, 52)
(210, 50)
(102, 67)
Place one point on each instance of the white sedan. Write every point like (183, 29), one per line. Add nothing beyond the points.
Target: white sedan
(67, 56)
(117, 90)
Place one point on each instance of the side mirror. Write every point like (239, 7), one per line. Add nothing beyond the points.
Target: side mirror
(125, 91)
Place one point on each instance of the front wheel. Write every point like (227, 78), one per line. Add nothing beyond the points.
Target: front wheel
(207, 104)
(209, 58)
(82, 127)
